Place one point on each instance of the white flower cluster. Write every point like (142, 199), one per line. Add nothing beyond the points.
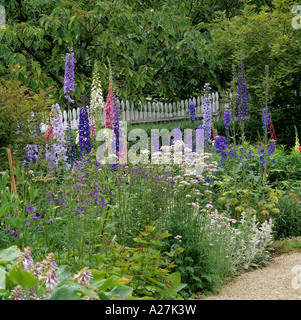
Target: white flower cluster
(96, 102)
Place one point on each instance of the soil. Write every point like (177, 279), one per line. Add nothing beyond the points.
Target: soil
(277, 281)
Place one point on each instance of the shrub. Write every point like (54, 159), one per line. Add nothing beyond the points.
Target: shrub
(285, 167)
(145, 264)
(287, 222)
(21, 112)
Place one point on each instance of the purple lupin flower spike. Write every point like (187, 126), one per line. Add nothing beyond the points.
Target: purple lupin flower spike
(69, 75)
(227, 119)
(191, 112)
(261, 156)
(221, 145)
(266, 118)
(115, 122)
(84, 129)
(227, 122)
(56, 152)
(207, 116)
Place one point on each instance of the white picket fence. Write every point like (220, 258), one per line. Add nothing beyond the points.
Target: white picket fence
(153, 111)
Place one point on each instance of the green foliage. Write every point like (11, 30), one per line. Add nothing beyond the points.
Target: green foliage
(17, 122)
(244, 35)
(153, 51)
(197, 263)
(285, 166)
(288, 220)
(263, 37)
(157, 49)
(145, 264)
(248, 195)
(102, 286)
(288, 244)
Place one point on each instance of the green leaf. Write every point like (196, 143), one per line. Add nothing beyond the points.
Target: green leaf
(10, 254)
(98, 275)
(2, 277)
(125, 290)
(103, 285)
(65, 292)
(23, 277)
(149, 229)
(143, 298)
(5, 208)
(69, 290)
(72, 22)
(166, 235)
(32, 192)
(4, 179)
(176, 285)
(63, 273)
(103, 296)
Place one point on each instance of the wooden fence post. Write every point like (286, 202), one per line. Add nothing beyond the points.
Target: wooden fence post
(12, 166)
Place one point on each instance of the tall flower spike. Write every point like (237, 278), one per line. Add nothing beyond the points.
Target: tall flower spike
(221, 145)
(272, 131)
(207, 121)
(32, 149)
(57, 151)
(272, 148)
(49, 133)
(96, 100)
(227, 122)
(69, 75)
(227, 119)
(84, 140)
(297, 144)
(109, 104)
(116, 115)
(213, 133)
(32, 154)
(266, 117)
(191, 108)
(261, 156)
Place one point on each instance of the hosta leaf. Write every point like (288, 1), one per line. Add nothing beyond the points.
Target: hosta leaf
(23, 277)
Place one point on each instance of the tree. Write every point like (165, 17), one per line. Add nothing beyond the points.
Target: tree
(21, 114)
(154, 51)
(262, 38)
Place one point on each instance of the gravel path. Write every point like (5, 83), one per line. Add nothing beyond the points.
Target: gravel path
(277, 281)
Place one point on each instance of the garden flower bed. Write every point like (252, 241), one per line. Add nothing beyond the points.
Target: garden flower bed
(85, 224)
